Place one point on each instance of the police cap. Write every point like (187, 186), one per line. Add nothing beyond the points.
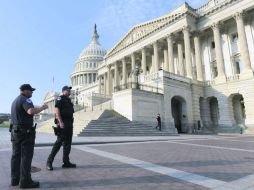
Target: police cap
(26, 87)
(66, 88)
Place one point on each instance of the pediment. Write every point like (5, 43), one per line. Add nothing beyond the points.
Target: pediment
(140, 31)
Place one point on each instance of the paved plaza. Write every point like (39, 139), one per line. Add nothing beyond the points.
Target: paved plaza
(180, 162)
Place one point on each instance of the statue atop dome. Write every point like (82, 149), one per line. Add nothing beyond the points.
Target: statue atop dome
(95, 35)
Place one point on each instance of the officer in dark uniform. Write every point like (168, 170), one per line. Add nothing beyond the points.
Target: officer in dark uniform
(23, 137)
(64, 119)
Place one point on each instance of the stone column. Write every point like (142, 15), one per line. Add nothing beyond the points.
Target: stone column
(99, 84)
(104, 86)
(116, 77)
(156, 56)
(133, 78)
(152, 66)
(109, 81)
(187, 47)
(180, 58)
(124, 72)
(143, 62)
(170, 54)
(165, 54)
(218, 51)
(198, 57)
(245, 57)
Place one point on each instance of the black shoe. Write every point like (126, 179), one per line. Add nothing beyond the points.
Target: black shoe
(30, 185)
(49, 166)
(69, 165)
(14, 182)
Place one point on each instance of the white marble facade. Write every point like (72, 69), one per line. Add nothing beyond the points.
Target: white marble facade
(197, 68)
(201, 60)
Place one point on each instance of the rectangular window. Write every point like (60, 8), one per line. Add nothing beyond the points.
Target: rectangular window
(237, 67)
(234, 38)
(213, 45)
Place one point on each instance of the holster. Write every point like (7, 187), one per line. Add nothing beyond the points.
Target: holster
(10, 127)
(56, 129)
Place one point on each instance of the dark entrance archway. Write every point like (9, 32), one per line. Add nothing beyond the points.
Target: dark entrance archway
(214, 110)
(179, 113)
(238, 108)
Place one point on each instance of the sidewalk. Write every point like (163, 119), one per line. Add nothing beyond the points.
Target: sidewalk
(44, 139)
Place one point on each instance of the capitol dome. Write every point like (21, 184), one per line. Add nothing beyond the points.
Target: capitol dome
(85, 69)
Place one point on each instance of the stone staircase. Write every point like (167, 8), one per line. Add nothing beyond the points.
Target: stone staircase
(216, 130)
(110, 123)
(81, 119)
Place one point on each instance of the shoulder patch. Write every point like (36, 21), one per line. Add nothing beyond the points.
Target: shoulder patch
(29, 101)
(58, 98)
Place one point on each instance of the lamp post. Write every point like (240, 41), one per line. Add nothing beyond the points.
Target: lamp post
(137, 71)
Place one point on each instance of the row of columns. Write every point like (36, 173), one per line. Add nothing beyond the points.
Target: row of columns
(244, 52)
(185, 68)
(83, 79)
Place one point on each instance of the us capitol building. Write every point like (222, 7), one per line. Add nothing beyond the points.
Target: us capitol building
(193, 66)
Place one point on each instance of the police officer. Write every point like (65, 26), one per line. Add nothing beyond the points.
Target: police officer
(23, 137)
(64, 119)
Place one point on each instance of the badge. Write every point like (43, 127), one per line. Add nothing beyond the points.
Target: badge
(58, 98)
(29, 101)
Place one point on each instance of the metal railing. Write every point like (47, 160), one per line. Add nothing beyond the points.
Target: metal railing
(233, 77)
(139, 87)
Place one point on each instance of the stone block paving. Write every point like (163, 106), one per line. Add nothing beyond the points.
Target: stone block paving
(220, 164)
(228, 143)
(227, 159)
(93, 172)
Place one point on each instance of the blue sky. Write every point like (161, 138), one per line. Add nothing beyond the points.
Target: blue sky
(41, 39)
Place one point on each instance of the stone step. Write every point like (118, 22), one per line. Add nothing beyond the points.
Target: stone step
(110, 123)
(118, 125)
(117, 130)
(125, 134)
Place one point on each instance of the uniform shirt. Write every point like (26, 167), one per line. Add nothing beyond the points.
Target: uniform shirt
(19, 115)
(64, 104)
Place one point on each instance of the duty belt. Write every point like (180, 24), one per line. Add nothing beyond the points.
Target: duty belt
(24, 128)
